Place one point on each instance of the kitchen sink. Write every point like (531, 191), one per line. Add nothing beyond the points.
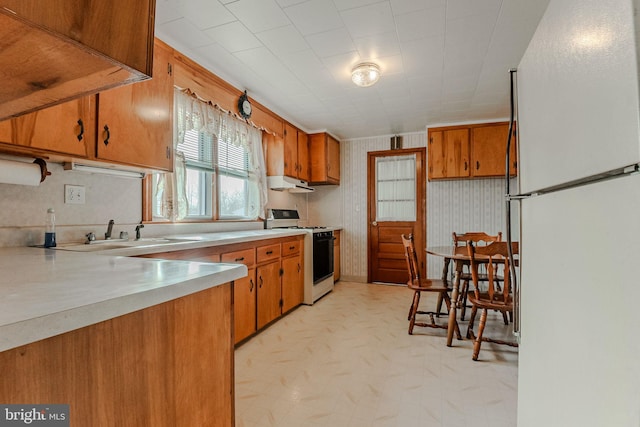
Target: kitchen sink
(106, 245)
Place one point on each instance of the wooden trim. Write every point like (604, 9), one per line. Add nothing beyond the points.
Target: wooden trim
(190, 74)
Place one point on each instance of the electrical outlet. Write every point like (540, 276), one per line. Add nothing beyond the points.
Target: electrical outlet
(74, 194)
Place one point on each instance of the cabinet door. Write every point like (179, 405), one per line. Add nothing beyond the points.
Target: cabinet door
(65, 128)
(449, 154)
(292, 282)
(6, 132)
(244, 306)
(290, 151)
(333, 160)
(303, 156)
(489, 145)
(269, 292)
(135, 121)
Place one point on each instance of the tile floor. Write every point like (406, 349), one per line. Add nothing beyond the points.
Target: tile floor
(347, 361)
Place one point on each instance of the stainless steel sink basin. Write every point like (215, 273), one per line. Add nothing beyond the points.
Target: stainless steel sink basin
(92, 248)
(106, 245)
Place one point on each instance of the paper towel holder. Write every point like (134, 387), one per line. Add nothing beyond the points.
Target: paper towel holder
(20, 161)
(44, 173)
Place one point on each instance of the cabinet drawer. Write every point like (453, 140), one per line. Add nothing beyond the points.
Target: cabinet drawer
(246, 257)
(291, 248)
(269, 252)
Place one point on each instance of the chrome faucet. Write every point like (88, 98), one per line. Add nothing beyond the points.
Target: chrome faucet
(107, 235)
(138, 227)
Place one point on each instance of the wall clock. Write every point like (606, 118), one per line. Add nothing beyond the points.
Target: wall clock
(244, 106)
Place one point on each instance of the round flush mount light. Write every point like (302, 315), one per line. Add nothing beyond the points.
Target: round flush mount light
(365, 74)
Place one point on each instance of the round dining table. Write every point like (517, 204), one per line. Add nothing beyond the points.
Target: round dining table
(460, 257)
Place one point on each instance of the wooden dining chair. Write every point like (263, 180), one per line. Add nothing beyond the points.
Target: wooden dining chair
(460, 243)
(494, 297)
(418, 285)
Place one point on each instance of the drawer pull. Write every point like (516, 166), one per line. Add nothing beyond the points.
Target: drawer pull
(250, 285)
(81, 134)
(260, 285)
(299, 268)
(291, 248)
(239, 259)
(106, 140)
(269, 252)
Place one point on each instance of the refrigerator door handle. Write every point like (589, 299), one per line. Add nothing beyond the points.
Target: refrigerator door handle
(508, 199)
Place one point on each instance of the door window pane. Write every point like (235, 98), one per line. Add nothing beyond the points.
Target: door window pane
(396, 188)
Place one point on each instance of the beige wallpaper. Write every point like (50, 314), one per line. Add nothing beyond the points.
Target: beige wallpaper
(463, 205)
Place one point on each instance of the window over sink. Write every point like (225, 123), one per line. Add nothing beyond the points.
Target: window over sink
(219, 172)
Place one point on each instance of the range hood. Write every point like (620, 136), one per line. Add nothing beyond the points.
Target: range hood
(286, 183)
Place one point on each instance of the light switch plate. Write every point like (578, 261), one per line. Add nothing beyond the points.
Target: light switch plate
(74, 194)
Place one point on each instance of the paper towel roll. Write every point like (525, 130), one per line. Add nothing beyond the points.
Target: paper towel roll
(19, 173)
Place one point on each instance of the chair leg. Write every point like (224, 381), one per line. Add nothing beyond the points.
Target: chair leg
(414, 311)
(472, 319)
(463, 298)
(413, 302)
(439, 306)
(505, 318)
(478, 342)
(447, 302)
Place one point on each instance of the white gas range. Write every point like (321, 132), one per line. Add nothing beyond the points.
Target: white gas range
(318, 253)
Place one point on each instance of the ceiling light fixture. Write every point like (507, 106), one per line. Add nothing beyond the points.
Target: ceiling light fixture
(365, 74)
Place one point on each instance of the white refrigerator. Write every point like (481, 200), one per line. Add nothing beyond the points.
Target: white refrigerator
(578, 199)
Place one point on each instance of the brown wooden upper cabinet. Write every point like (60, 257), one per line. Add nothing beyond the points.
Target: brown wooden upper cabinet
(51, 52)
(469, 151)
(66, 129)
(289, 155)
(324, 151)
(134, 124)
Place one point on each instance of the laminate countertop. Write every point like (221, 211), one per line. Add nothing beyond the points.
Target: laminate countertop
(45, 292)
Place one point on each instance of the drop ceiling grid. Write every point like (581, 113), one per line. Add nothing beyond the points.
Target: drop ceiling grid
(446, 58)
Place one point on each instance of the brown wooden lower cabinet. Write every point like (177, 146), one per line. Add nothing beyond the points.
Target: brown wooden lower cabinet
(167, 365)
(274, 284)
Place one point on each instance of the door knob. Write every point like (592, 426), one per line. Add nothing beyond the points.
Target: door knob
(374, 223)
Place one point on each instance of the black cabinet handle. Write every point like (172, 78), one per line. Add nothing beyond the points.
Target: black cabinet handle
(291, 248)
(465, 165)
(239, 259)
(106, 129)
(260, 285)
(269, 252)
(299, 268)
(250, 285)
(477, 165)
(81, 134)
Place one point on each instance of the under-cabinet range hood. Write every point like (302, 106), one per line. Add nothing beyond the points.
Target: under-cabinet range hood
(286, 183)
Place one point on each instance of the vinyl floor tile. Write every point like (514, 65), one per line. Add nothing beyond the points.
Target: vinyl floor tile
(347, 361)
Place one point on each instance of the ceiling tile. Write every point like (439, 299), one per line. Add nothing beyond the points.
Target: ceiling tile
(283, 40)
(205, 13)
(379, 45)
(369, 20)
(405, 6)
(467, 8)
(314, 16)
(350, 4)
(421, 24)
(331, 43)
(259, 15)
(234, 37)
(184, 32)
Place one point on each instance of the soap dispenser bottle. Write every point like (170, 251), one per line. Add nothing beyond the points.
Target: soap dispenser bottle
(50, 229)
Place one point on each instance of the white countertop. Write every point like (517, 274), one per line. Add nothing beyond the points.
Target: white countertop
(45, 292)
(179, 242)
